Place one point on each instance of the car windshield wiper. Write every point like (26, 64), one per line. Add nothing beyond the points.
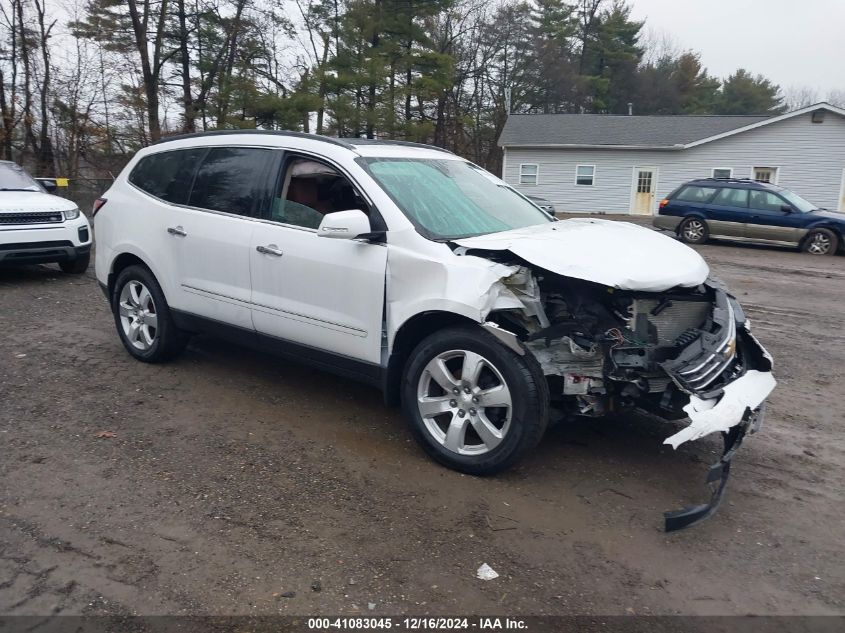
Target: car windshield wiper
(16, 189)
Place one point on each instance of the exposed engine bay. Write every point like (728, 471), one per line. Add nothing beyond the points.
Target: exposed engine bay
(687, 352)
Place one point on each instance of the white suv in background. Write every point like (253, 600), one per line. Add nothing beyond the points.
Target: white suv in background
(412, 269)
(39, 228)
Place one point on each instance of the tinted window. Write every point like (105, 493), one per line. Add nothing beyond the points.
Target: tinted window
(766, 201)
(696, 194)
(732, 197)
(168, 175)
(230, 179)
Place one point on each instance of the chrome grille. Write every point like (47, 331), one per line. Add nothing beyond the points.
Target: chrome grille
(31, 217)
(709, 366)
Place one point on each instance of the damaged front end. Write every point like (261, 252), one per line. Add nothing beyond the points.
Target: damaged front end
(686, 352)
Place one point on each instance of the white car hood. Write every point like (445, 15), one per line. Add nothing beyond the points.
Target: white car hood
(617, 254)
(25, 201)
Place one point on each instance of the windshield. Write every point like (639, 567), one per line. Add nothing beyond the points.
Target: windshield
(449, 198)
(797, 201)
(14, 178)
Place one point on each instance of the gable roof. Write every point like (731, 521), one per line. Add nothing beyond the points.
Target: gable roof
(613, 131)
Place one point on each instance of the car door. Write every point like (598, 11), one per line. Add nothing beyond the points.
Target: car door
(772, 218)
(728, 212)
(211, 235)
(320, 294)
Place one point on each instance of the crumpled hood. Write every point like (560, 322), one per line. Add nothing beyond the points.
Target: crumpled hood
(26, 201)
(617, 254)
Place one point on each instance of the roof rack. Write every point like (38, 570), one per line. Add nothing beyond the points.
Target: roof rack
(740, 180)
(313, 137)
(377, 141)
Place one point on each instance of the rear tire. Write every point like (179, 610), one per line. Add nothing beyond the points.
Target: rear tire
(76, 266)
(143, 318)
(493, 409)
(694, 231)
(820, 242)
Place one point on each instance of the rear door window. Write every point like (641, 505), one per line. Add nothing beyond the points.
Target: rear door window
(694, 193)
(168, 175)
(233, 180)
(732, 198)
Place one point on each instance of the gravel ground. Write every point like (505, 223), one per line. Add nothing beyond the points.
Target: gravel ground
(229, 482)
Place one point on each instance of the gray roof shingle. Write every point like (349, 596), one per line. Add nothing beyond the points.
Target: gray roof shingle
(616, 130)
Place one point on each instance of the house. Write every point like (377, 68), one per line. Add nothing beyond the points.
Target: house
(601, 163)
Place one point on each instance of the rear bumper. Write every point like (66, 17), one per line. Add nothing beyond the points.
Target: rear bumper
(41, 253)
(666, 222)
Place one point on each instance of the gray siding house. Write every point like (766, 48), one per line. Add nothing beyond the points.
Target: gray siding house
(598, 163)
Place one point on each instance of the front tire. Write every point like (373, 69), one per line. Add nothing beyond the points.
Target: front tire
(473, 404)
(143, 318)
(76, 266)
(820, 242)
(694, 231)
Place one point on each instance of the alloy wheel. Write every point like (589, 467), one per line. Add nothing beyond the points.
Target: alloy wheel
(694, 230)
(464, 402)
(138, 315)
(819, 244)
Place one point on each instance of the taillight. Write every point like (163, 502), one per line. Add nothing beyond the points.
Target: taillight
(98, 204)
(663, 202)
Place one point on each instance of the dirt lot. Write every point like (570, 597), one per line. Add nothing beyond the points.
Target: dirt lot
(235, 482)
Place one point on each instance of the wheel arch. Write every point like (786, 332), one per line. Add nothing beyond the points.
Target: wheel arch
(407, 337)
(833, 227)
(120, 263)
(697, 214)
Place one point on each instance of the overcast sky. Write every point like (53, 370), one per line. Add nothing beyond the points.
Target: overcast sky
(792, 42)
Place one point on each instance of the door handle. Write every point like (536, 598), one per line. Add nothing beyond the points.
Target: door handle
(177, 230)
(271, 249)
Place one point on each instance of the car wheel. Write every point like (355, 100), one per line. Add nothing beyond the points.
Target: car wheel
(820, 242)
(473, 404)
(694, 231)
(143, 317)
(77, 266)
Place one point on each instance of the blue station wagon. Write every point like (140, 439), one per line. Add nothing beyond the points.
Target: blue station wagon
(746, 210)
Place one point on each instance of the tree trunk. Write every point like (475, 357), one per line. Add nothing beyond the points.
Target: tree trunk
(371, 90)
(189, 115)
(29, 135)
(8, 122)
(149, 74)
(45, 164)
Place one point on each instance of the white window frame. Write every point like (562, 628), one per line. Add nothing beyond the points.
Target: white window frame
(775, 168)
(730, 171)
(536, 174)
(592, 182)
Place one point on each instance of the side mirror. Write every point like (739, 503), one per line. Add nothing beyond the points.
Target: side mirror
(345, 225)
(49, 184)
(786, 208)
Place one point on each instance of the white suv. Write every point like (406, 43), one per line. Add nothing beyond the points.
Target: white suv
(412, 269)
(39, 228)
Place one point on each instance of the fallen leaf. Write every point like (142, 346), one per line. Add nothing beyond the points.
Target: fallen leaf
(105, 434)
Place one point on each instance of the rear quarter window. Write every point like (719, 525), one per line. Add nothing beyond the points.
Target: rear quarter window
(168, 175)
(694, 193)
